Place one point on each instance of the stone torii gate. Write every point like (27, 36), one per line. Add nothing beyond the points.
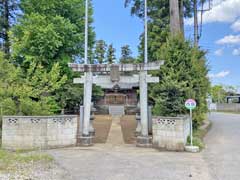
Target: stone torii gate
(115, 79)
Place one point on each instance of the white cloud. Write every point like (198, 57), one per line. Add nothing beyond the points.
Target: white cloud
(219, 52)
(236, 26)
(222, 11)
(236, 52)
(221, 74)
(229, 40)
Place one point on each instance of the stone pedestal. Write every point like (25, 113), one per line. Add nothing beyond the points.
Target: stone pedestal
(139, 127)
(91, 128)
(92, 133)
(144, 141)
(85, 141)
(192, 149)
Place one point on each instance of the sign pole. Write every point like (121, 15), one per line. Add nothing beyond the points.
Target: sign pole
(191, 104)
(191, 127)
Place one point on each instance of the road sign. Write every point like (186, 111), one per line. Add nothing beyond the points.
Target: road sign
(190, 104)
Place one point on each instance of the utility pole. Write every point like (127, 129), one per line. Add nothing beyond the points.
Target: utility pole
(197, 27)
(86, 33)
(146, 33)
(175, 26)
(195, 9)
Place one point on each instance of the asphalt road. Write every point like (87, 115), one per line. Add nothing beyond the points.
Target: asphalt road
(219, 161)
(222, 153)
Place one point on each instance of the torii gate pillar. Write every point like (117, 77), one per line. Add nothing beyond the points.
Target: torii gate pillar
(86, 139)
(143, 140)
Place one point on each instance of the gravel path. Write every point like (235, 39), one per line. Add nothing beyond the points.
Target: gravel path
(35, 171)
(103, 162)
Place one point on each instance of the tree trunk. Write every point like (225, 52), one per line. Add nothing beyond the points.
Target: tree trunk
(175, 26)
(195, 23)
(6, 27)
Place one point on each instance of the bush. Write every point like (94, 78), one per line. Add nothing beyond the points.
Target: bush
(183, 76)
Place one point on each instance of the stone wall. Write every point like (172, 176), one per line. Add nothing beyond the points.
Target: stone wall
(233, 107)
(170, 133)
(29, 132)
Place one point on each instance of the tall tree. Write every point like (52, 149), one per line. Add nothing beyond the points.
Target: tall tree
(7, 17)
(158, 24)
(31, 92)
(100, 51)
(126, 55)
(184, 73)
(51, 32)
(111, 57)
(175, 25)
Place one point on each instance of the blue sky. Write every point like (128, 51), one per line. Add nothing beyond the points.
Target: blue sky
(221, 34)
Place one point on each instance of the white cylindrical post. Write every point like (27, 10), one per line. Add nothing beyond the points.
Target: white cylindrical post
(86, 34)
(146, 33)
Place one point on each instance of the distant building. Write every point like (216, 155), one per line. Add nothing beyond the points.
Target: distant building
(233, 98)
(120, 100)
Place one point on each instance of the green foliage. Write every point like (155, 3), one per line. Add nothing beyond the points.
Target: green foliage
(100, 51)
(31, 93)
(158, 23)
(218, 93)
(49, 34)
(126, 55)
(8, 9)
(183, 76)
(111, 54)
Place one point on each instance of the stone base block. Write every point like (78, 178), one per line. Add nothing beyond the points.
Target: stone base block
(137, 134)
(144, 141)
(92, 133)
(193, 149)
(85, 141)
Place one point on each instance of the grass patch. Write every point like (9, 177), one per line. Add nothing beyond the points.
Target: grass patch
(199, 134)
(8, 160)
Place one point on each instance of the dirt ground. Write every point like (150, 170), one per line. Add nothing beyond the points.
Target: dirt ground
(102, 125)
(129, 124)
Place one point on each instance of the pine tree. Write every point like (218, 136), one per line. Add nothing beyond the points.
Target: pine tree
(126, 55)
(111, 54)
(184, 74)
(100, 51)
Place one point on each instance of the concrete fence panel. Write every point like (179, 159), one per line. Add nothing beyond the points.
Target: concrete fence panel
(170, 133)
(29, 132)
(234, 107)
